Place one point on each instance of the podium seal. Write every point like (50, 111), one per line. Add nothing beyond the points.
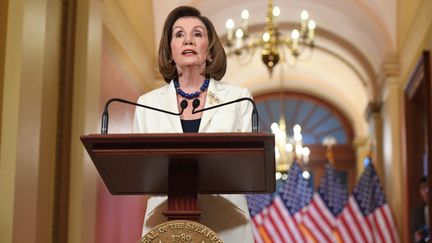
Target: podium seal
(181, 231)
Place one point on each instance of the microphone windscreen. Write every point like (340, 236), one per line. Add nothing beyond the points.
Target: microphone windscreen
(195, 103)
(183, 104)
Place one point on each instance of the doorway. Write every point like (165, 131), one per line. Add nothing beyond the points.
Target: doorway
(418, 118)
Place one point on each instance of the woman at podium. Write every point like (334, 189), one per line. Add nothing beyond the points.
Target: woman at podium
(192, 60)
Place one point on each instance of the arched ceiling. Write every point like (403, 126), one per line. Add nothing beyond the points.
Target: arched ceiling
(354, 38)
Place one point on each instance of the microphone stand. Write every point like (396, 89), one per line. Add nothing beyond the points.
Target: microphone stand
(104, 125)
(196, 102)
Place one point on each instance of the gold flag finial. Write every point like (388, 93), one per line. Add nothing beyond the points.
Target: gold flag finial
(328, 142)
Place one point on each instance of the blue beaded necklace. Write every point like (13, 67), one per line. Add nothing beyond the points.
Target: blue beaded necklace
(190, 96)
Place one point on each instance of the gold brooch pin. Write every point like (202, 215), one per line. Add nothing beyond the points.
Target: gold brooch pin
(213, 99)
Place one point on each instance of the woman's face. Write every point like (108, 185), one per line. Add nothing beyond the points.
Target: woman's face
(189, 43)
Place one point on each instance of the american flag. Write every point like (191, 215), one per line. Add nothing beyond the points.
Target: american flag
(278, 218)
(367, 216)
(258, 208)
(327, 202)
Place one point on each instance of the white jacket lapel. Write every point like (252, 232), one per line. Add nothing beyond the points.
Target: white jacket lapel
(215, 95)
(168, 101)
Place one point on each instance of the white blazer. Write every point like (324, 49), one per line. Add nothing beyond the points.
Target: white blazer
(227, 215)
(231, 118)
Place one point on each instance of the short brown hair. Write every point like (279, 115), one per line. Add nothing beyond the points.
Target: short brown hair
(215, 69)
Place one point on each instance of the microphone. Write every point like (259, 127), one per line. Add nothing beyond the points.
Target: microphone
(196, 103)
(104, 125)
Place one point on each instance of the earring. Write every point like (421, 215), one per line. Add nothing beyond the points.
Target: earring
(209, 59)
(170, 61)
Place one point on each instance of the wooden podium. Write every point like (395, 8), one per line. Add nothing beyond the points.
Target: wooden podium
(183, 165)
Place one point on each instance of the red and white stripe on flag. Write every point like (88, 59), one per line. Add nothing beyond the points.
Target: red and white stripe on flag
(377, 227)
(319, 220)
(278, 224)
